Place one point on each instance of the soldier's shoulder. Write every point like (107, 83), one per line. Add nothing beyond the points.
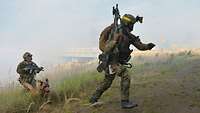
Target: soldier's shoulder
(26, 63)
(22, 63)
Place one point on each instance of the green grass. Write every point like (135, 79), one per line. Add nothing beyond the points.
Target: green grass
(14, 100)
(72, 86)
(17, 100)
(148, 76)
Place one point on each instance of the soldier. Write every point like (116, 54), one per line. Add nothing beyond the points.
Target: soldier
(119, 55)
(27, 70)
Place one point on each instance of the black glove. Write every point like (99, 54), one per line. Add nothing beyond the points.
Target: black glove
(42, 68)
(150, 45)
(39, 69)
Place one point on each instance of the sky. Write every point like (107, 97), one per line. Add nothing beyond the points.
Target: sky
(48, 28)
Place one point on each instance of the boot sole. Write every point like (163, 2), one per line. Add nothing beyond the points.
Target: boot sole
(129, 107)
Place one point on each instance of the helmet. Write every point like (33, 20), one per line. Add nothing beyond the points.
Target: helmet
(27, 54)
(128, 19)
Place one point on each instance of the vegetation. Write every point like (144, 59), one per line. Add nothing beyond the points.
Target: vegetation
(162, 82)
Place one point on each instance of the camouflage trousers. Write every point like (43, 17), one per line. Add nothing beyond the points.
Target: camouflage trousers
(121, 71)
(29, 80)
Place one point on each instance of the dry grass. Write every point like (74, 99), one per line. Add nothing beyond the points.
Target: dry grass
(154, 74)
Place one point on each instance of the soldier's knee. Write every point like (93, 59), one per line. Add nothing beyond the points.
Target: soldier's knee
(125, 75)
(125, 82)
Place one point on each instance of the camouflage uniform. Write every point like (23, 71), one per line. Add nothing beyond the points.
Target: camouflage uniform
(126, 39)
(25, 76)
(27, 70)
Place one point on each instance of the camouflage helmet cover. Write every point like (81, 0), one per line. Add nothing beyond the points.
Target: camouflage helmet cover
(27, 54)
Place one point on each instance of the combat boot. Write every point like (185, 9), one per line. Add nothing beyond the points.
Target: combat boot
(126, 104)
(93, 100)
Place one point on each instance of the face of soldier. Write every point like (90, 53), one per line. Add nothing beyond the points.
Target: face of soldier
(130, 27)
(29, 58)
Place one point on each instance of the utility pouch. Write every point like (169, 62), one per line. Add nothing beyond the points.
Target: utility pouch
(103, 62)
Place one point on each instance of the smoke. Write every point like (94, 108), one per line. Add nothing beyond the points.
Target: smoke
(48, 28)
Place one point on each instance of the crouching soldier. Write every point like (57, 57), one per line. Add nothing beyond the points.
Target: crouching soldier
(27, 70)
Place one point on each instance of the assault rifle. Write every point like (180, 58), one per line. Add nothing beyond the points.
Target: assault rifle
(104, 58)
(33, 69)
(116, 16)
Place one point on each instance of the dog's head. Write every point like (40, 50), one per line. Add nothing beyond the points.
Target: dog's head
(43, 86)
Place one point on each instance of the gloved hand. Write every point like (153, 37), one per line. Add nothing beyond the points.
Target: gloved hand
(42, 68)
(150, 45)
(26, 69)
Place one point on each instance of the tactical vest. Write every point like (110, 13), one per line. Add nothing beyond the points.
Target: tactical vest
(124, 48)
(104, 36)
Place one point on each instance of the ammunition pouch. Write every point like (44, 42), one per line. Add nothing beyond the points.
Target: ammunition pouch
(103, 57)
(103, 62)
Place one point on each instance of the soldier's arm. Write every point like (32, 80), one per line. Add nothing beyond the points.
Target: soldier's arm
(37, 68)
(20, 68)
(139, 45)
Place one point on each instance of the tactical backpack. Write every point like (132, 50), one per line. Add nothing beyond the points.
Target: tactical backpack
(104, 36)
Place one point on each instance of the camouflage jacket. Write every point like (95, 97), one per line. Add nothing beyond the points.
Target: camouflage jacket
(123, 42)
(22, 71)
